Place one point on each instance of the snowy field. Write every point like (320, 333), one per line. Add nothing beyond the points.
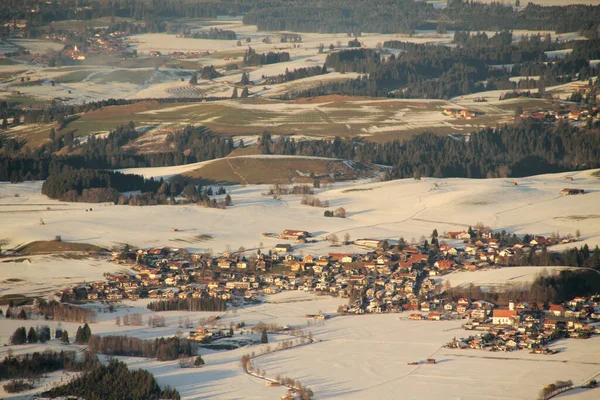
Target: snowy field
(392, 209)
(222, 376)
(354, 357)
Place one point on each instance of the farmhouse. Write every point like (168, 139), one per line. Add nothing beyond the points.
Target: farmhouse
(292, 234)
(458, 235)
(283, 248)
(374, 243)
(567, 191)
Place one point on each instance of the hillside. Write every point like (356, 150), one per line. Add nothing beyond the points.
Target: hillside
(284, 170)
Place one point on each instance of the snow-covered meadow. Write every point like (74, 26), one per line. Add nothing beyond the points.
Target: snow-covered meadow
(406, 208)
(353, 357)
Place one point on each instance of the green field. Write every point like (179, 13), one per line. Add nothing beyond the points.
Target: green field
(286, 170)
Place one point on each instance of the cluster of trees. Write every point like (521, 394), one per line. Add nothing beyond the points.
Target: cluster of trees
(354, 60)
(209, 72)
(515, 94)
(314, 201)
(156, 321)
(162, 349)
(297, 73)
(83, 334)
(338, 213)
(404, 16)
(278, 190)
(189, 304)
(58, 311)
(17, 386)
(188, 145)
(94, 186)
(114, 381)
(33, 365)
(253, 58)
(435, 71)
(215, 34)
(22, 336)
(552, 389)
(581, 257)
(134, 319)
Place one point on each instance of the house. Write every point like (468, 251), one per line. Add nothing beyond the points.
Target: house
(283, 248)
(448, 250)
(226, 264)
(434, 316)
(568, 191)
(503, 317)
(292, 234)
(444, 264)
(373, 243)
(556, 309)
(458, 235)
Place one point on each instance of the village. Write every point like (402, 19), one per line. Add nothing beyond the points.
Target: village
(388, 278)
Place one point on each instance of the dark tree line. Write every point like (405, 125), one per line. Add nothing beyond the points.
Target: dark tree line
(189, 145)
(35, 364)
(442, 72)
(253, 58)
(528, 148)
(189, 304)
(404, 16)
(93, 186)
(114, 381)
(58, 311)
(556, 288)
(299, 73)
(215, 34)
(162, 349)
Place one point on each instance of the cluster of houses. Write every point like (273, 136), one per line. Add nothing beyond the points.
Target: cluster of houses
(384, 279)
(578, 114)
(529, 326)
(458, 113)
(184, 55)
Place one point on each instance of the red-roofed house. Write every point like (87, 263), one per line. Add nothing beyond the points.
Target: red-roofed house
(504, 317)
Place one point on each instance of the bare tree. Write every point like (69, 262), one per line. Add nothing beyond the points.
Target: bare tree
(333, 239)
(346, 238)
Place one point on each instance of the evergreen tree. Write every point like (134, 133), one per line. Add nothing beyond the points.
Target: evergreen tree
(245, 79)
(79, 336)
(32, 336)
(87, 333)
(245, 92)
(264, 338)
(64, 338)
(199, 361)
(194, 79)
(235, 93)
(19, 336)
